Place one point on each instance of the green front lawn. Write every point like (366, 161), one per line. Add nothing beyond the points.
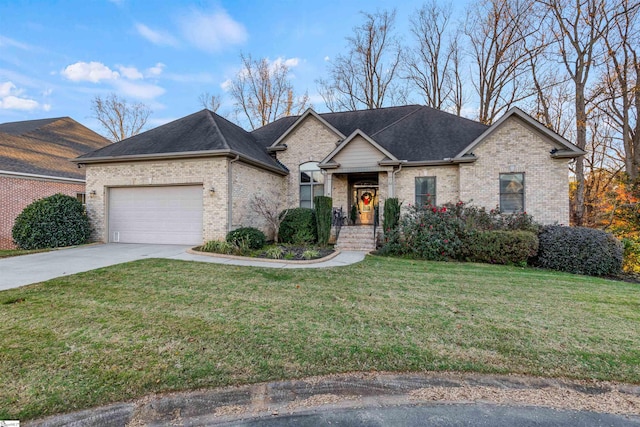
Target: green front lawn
(6, 253)
(156, 325)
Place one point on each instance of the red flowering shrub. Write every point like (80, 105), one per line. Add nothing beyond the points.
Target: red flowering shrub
(446, 232)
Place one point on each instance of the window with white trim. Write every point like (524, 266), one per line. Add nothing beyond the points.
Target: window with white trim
(512, 192)
(311, 183)
(425, 190)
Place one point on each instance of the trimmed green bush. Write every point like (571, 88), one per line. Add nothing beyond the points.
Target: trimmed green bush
(579, 250)
(248, 237)
(323, 205)
(500, 247)
(391, 214)
(299, 227)
(52, 222)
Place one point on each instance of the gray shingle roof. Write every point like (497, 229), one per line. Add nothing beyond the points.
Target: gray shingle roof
(411, 132)
(45, 146)
(201, 131)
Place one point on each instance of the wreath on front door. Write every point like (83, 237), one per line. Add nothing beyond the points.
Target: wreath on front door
(366, 198)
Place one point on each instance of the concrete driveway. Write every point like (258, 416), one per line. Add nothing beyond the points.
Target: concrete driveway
(26, 269)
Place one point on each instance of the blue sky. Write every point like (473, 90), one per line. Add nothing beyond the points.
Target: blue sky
(55, 56)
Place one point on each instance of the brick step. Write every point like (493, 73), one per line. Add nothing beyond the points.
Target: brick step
(356, 238)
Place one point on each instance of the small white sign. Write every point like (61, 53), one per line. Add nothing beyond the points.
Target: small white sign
(9, 423)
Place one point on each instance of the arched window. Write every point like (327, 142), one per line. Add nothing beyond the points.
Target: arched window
(311, 183)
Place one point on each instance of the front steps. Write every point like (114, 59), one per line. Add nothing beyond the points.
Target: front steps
(356, 238)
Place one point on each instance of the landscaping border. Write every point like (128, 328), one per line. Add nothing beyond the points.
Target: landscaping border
(332, 255)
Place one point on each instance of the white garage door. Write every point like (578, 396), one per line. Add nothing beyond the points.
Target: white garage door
(161, 215)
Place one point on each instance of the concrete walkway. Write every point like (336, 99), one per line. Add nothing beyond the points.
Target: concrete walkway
(27, 269)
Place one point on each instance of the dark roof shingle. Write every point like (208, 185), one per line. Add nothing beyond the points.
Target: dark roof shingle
(410, 132)
(45, 146)
(201, 131)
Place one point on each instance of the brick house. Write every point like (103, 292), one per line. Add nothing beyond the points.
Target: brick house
(35, 163)
(192, 180)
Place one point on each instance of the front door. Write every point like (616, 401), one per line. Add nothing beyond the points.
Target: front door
(366, 201)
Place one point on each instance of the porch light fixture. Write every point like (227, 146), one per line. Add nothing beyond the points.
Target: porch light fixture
(512, 168)
(212, 190)
(92, 193)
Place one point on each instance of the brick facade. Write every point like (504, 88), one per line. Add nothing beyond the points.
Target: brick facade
(249, 181)
(516, 147)
(210, 173)
(16, 193)
(447, 183)
(310, 141)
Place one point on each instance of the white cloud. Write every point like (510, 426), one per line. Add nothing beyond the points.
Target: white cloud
(212, 32)
(130, 73)
(10, 98)
(156, 70)
(15, 103)
(291, 62)
(46, 107)
(161, 38)
(138, 90)
(226, 85)
(326, 58)
(6, 88)
(89, 71)
(122, 81)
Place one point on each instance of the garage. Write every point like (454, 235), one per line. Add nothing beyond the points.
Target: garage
(157, 215)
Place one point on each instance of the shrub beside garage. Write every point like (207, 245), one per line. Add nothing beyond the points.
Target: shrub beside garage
(52, 222)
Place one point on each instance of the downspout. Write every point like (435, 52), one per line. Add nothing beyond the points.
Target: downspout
(230, 193)
(393, 179)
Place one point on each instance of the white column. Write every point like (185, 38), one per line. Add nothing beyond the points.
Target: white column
(327, 183)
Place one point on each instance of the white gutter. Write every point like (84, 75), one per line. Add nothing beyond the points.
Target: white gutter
(49, 177)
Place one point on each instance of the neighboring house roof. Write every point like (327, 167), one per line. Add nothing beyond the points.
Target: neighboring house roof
(44, 147)
(411, 133)
(200, 134)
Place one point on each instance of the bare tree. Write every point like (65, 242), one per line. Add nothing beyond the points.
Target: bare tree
(120, 118)
(578, 27)
(263, 93)
(210, 101)
(497, 31)
(272, 209)
(367, 76)
(619, 92)
(432, 66)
